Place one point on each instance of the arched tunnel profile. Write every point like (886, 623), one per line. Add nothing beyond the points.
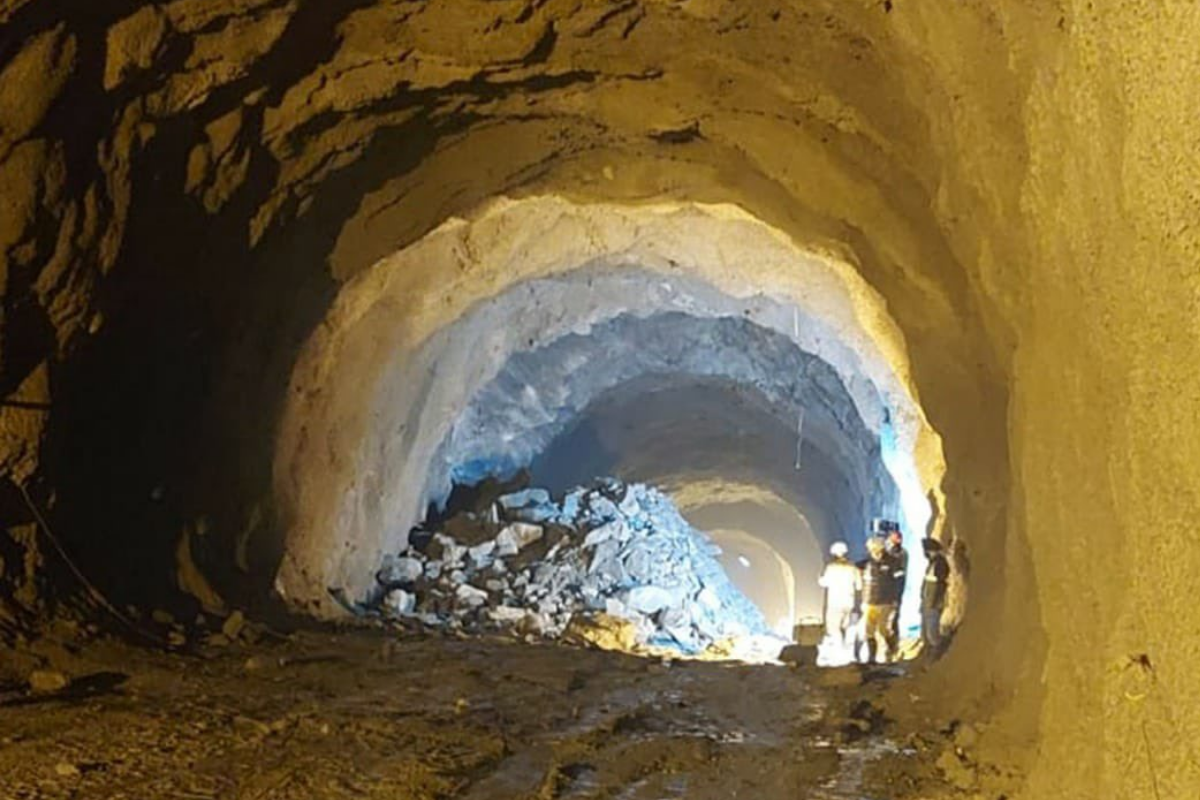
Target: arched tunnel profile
(414, 399)
(625, 334)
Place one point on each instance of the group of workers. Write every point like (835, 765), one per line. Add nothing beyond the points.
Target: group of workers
(879, 580)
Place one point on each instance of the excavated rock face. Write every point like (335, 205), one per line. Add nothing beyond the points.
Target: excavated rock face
(185, 186)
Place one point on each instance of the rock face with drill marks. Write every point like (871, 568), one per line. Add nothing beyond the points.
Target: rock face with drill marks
(181, 188)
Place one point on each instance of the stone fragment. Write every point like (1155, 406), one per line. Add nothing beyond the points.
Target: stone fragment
(400, 602)
(615, 608)
(604, 533)
(232, 627)
(966, 736)
(604, 558)
(798, 654)
(957, 772)
(631, 504)
(470, 595)
(481, 555)
(707, 598)
(525, 498)
(506, 614)
(452, 551)
(639, 564)
(600, 508)
(603, 631)
(570, 507)
(468, 531)
(516, 537)
(648, 599)
(47, 681)
(65, 769)
(400, 571)
(676, 623)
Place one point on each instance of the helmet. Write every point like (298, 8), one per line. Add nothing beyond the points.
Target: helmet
(838, 549)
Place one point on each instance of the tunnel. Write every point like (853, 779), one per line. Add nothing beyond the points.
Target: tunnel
(279, 275)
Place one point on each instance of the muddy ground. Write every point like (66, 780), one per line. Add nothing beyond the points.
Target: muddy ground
(365, 714)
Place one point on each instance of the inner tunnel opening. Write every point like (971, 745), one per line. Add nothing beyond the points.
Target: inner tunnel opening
(277, 276)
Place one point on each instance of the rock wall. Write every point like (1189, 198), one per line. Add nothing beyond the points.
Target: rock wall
(182, 186)
(565, 410)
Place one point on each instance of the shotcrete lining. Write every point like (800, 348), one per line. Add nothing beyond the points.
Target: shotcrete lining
(545, 403)
(662, 429)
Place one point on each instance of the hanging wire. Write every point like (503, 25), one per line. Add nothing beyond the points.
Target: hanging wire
(92, 591)
(799, 437)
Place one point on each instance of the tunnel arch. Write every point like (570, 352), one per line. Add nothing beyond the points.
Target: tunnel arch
(347, 463)
(678, 429)
(524, 415)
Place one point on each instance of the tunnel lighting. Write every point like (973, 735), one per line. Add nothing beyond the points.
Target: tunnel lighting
(745, 562)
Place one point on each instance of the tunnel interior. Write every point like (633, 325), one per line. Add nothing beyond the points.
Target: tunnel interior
(276, 274)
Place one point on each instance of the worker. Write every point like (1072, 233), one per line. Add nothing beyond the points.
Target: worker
(879, 599)
(933, 595)
(842, 582)
(899, 558)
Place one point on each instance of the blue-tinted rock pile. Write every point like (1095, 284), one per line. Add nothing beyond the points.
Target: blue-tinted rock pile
(535, 564)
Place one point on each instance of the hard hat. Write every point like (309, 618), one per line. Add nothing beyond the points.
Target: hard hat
(838, 549)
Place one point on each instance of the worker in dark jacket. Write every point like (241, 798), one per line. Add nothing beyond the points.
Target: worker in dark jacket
(899, 557)
(933, 594)
(879, 599)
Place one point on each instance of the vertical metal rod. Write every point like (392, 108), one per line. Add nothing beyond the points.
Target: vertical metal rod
(799, 436)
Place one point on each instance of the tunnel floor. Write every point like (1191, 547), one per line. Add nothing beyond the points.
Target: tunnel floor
(365, 714)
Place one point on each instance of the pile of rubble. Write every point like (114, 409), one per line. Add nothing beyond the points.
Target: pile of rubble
(541, 567)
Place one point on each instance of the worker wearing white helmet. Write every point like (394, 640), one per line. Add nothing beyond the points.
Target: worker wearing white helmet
(842, 581)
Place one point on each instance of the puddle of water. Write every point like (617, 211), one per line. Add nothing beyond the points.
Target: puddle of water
(847, 783)
(675, 786)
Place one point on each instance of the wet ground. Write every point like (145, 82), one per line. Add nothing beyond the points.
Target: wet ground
(364, 715)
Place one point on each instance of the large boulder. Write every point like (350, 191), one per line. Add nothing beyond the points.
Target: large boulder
(515, 537)
(648, 599)
(400, 571)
